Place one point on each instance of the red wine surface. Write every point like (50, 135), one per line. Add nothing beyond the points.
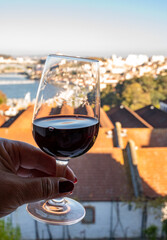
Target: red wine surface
(65, 136)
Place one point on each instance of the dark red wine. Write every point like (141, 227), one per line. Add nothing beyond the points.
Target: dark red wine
(65, 136)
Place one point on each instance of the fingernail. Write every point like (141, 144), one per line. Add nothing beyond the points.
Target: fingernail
(66, 186)
(76, 180)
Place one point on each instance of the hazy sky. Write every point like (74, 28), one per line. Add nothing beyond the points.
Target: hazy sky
(83, 27)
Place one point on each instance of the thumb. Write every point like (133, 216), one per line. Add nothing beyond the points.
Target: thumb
(35, 189)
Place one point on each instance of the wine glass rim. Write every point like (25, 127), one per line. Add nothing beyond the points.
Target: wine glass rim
(73, 57)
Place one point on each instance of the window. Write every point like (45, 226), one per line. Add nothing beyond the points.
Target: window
(90, 215)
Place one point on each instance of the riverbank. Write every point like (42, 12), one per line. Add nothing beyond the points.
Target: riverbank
(16, 86)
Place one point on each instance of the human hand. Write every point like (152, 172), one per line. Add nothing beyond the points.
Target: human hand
(28, 175)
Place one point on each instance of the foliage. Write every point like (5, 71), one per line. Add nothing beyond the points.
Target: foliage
(151, 232)
(164, 227)
(74, 72)
(136, 92)
(106, 108)
(156, 203)
(8, 232)
(2, 97)
(135, 97)
(108, 96)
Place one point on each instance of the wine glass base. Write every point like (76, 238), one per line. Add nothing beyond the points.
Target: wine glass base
(72, 213)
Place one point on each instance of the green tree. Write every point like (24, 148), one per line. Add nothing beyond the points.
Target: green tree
(156, 87)
(8, 232)
(109, 96)
(134, 97)
(164, 227)
(3, 97)
(151, 232)
(161, 87)
(147, 82)
(136, 92)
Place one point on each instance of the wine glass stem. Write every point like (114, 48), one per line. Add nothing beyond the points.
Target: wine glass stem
(58, 205)
(61, 166)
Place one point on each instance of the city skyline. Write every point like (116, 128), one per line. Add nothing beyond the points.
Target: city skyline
(99, 28)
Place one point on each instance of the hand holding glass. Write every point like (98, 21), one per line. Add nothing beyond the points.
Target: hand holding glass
(65, 125)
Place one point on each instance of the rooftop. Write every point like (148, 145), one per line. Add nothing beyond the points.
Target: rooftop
(104, 120)
(146, 137)
(154, 116)
(101, 177)
(152, 166)
(127, 117)
(102, 172)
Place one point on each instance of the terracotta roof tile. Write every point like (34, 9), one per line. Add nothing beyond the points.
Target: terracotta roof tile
(101, 177)
(152, 166)
(89, 111)
(66, 110)
(44, 110)
(126, 117)
(24, 120)
(103, 144)
(154, 116)
(81, 110)
(19, 134)
(104, 120)
(101, 172)
(145, 137)
(4, 107)
(10, 120)
(2, 120)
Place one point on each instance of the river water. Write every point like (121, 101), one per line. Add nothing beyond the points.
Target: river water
(16, 86)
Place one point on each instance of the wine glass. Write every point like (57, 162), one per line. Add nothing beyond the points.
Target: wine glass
(65, 125)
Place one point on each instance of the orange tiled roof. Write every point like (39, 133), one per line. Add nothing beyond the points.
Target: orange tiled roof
(66, 109)
(146, 137)
(101, 177)
(4, 107)
(103, 166)
(103, 144)
(101, 172)
(152, 167)
(44, 110)
(154, 116)
(127, 117)
(2, 120)
(24, 120)
(10, 120)
(104, 120)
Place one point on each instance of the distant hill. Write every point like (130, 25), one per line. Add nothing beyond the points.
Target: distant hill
(5, 56)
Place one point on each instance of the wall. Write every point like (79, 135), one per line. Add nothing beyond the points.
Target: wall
(112, 219)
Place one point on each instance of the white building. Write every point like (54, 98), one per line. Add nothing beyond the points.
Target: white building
(104, 220)
(136, 60)
(158, 58)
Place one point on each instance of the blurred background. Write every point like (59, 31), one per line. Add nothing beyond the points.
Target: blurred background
(122, 180)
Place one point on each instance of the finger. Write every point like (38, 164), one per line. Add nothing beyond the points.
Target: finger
(26, 156)
(69, 174)
(33, 158)
(23, 172)
(45, 188)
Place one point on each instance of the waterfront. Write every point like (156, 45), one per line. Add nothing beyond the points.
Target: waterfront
(16, 86)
